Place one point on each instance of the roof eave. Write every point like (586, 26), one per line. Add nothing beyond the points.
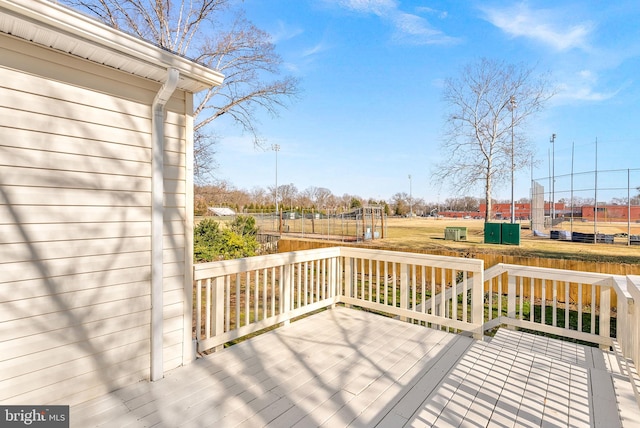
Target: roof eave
(64, 29)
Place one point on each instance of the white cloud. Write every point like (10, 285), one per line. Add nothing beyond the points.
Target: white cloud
(543, 25)
(314, 50)
(377, 7)
(585, 85)
(408, 27)
(416, 30)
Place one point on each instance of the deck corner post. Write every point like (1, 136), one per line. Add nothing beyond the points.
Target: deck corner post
(477, 302)
(605, 313)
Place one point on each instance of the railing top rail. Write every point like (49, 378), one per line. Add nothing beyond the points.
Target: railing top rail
(228, 267)
(633, 286)
(559, 274)
(460, 263)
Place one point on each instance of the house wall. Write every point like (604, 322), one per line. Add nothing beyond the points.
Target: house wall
(75, 227)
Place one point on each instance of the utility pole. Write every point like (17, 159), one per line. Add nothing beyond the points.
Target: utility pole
(512, 107)
(276, 148)
(553, 178)
(410, 198)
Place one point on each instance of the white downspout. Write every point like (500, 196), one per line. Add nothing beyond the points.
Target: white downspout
(157, 220)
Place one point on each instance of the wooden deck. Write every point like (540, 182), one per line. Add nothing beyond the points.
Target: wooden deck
(344, 367)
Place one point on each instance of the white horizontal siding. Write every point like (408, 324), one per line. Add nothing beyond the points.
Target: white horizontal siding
(75, 227)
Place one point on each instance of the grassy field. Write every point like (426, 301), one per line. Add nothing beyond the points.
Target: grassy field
(420, 233)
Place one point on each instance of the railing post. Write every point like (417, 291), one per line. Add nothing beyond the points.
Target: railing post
(218, 308)
(198, 310)
(511, 296)
(404, 288)
(477, 302)
(605, 312)
(348, 277)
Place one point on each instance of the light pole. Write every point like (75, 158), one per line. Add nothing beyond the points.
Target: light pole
(512, 107)
(553, 177)
(276, 148)
(410, 199)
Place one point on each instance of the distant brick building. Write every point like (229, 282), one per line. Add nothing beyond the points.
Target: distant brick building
(611, 213)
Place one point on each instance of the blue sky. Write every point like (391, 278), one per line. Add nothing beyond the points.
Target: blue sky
(371, 71)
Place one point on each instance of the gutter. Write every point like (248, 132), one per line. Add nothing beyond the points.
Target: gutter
(157, 220)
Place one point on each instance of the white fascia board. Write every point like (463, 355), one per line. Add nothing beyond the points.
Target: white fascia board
(61, 28)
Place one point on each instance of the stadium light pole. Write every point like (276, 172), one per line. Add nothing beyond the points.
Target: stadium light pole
(410, 198)
(512, 106)
(553, 177)
(276, 148)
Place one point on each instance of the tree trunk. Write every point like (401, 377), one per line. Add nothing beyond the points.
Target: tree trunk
(487, 196)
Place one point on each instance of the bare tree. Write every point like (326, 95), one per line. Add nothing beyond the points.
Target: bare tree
(318, 196)
(489, 104)
(201, 30)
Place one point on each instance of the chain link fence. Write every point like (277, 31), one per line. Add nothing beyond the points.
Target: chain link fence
(363, 224)
(594, 206)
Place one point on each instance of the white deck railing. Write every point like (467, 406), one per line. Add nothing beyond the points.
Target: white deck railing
(240, 297)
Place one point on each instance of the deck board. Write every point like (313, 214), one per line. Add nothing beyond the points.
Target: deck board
(344, 367)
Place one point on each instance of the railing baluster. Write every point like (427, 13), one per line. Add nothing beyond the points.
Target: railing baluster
(521, 300)
(394, 284)
(580, 307)
(370, 281)
(318, 277)
(414, 296)
(424, 289)
(362, 281)
(543, 312)
(511, 296)
(273, 291)
(554, 316)
(264, 294)
(593, 309)
(256, 297)
(532, 300)
(247, 298)
(299, 282)
(490, 299)
(324, 279)
(465, 296)
(377, 281)
(567, 302)
(454, 295)
(500, 295)
(386, 283)
(306, 283)
(281, 289)
(208, 314)
(198, 309)
(237, 301)
(218, 306)
(227, 305)
(443, 312)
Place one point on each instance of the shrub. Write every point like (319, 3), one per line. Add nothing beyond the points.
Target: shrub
(212, 242)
